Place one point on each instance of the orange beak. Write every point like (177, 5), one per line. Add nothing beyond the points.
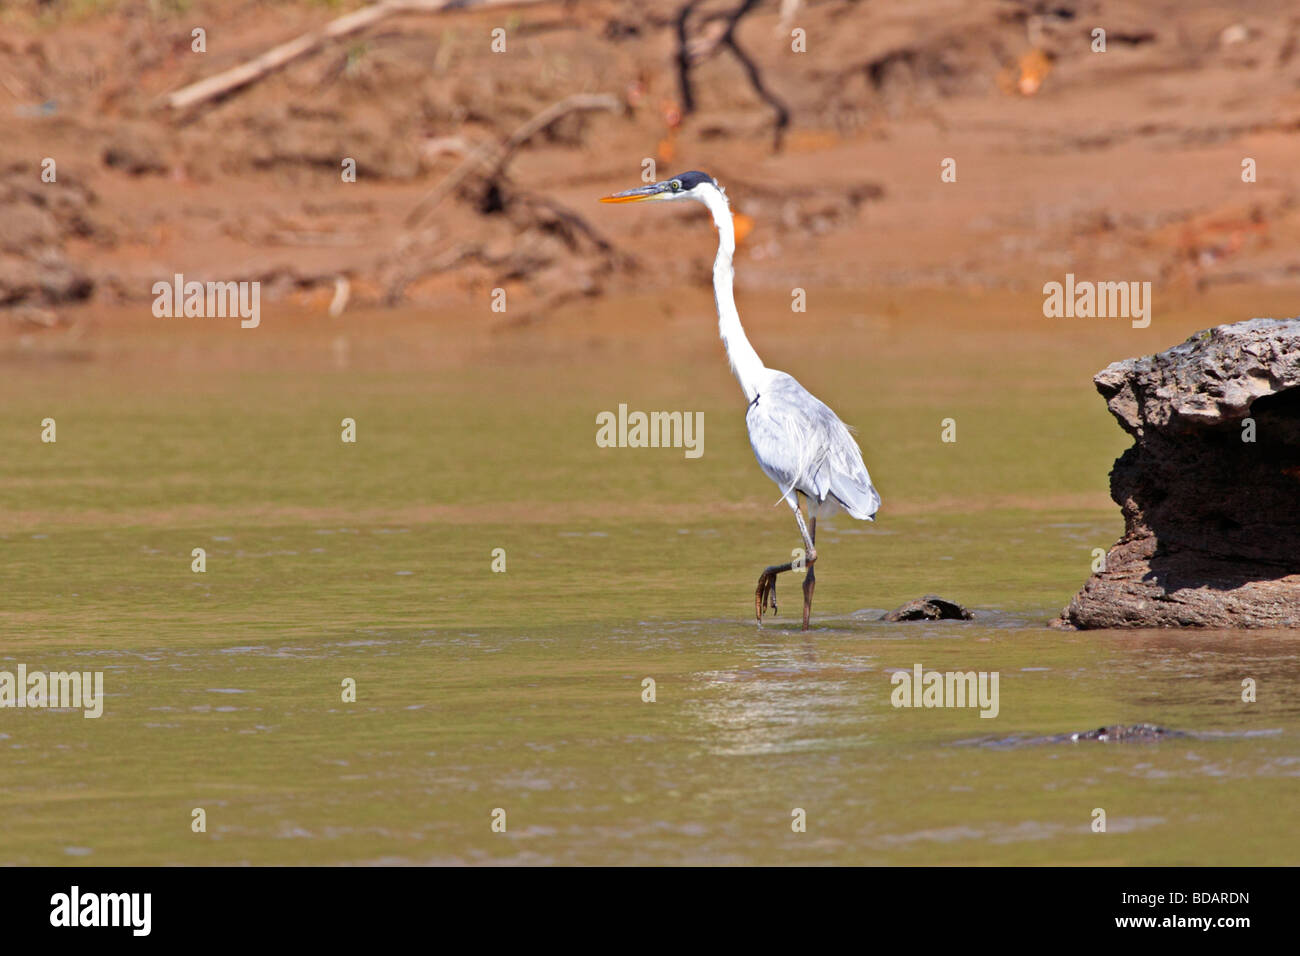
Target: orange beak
(641, 194)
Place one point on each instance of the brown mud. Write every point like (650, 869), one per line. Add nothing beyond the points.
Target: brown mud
(1127, 162)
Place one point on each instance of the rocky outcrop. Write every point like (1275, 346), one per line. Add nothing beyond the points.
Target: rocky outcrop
(1210, 489)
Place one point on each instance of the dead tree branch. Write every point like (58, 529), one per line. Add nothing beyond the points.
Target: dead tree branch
(223, 84)
(684, 58)
(492, 158)
(689, 54)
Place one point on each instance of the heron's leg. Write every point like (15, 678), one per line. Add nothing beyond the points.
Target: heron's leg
(765, 593)
(810, 579)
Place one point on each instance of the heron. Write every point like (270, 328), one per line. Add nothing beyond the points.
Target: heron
(799, 442)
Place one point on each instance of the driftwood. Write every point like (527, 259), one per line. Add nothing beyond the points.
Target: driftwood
(492, 158)
(215, 87)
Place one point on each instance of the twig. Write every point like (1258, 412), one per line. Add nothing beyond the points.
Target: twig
(579, 225)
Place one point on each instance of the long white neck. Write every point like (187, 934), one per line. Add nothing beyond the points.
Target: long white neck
(745, 363)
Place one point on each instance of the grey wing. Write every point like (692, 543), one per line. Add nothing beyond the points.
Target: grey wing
(803, 446)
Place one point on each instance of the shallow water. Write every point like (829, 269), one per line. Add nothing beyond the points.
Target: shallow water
(523, 690)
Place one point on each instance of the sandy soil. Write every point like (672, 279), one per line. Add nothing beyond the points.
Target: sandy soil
(1125, 164)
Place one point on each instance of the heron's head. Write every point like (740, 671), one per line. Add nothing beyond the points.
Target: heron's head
(693, 185)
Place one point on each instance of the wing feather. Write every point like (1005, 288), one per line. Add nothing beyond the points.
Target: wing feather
(803, 446)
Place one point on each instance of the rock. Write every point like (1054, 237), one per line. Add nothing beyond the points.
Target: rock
(1115, 733)
(929, 608)
(1127, 734)
(131, 158)
(38, 219)
(46, 277)
(1210, 488)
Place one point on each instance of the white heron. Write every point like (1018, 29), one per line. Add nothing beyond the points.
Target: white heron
(799, 442)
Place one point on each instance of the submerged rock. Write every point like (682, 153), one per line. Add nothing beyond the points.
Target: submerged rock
(1121, 733)
(1210, 490)
(1116, 733)
(929, 608)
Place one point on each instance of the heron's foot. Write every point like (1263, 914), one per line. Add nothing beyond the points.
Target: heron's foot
(765, 594)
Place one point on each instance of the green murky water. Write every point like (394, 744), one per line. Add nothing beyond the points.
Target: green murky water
(523, 690)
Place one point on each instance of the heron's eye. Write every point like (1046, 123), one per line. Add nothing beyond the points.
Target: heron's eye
(675, 185)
